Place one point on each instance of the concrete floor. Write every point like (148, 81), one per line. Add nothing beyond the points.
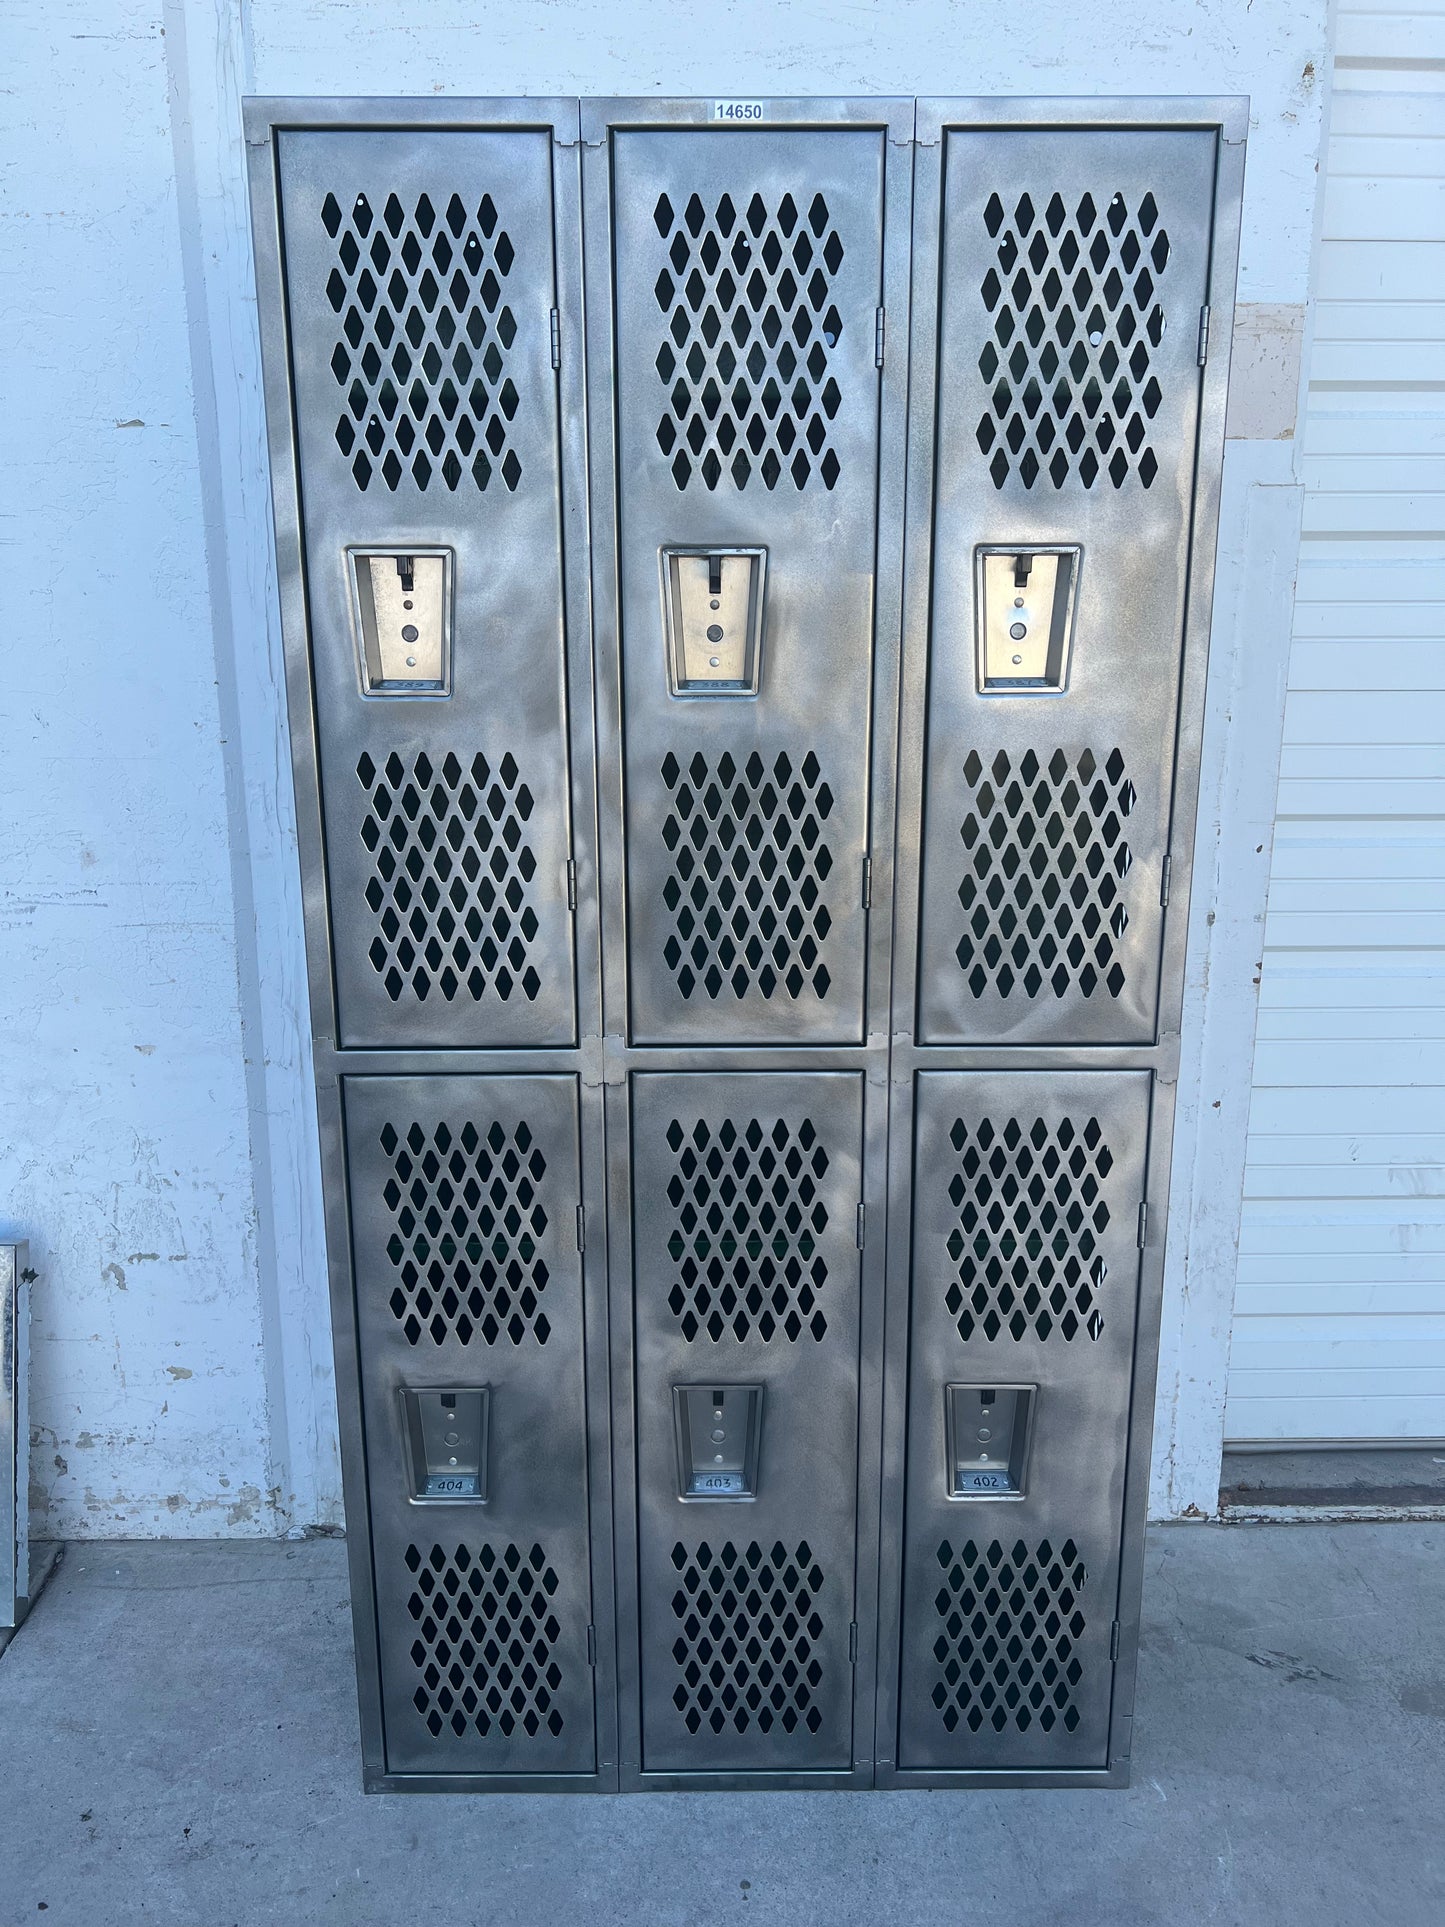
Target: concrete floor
(177, 1744)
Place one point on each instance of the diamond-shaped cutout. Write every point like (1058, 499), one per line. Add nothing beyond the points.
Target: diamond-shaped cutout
(452, 883)
(1032, 1205)
(746, 890)
(485, 1636)
(1007, 1652)
(469, 1236)
(419, 302)
(747, 1224)
(749, 292)
(747, 1645)
(1083, 429)
(1045, 881)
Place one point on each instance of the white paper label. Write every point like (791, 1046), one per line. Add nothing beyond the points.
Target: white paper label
(738, 110)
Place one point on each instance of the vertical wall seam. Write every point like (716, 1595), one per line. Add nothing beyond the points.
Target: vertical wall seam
(207, 57)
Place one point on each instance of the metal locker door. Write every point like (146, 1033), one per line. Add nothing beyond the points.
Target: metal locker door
(745, 1198)
(1074, 272)
(464, 1199)
(1027, 1186)
(420, 297)
(748, 278)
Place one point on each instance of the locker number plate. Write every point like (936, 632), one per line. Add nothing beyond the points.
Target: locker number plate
(738, 110)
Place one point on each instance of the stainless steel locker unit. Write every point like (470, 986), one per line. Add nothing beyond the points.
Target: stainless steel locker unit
(747, 398)
(419, 270)
(745, 1274)
(1072, 262)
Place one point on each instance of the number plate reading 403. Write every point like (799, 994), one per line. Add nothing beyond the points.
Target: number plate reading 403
(738, 110)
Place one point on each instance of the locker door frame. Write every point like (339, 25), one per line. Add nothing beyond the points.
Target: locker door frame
(264, 118)
(616, 1056)
(1229, 120)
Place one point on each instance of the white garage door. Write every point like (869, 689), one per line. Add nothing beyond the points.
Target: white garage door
(1340, 1320)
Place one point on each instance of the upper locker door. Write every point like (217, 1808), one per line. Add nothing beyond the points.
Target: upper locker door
(419, 291)
(748, 282)
(1073, 267)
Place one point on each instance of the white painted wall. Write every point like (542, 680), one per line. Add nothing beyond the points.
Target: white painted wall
(153, 1044)
(1340, 1320)
(126, 1147)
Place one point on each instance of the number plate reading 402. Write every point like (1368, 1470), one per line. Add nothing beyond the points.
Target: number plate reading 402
(738, 110)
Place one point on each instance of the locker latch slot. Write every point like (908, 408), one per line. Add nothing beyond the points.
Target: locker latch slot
(718, 1430)
(1025, 600)
(401, 601)
(446, 1441)
(713, 612)
(987, 1430)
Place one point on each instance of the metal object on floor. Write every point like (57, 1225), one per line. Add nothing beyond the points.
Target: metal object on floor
(25, 1562)
(746, 735)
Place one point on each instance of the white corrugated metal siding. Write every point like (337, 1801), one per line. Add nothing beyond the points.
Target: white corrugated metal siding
(1340, 1317)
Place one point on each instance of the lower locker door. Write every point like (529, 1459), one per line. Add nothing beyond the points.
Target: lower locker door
(464, 1194)
(745, 1202)
(1027, 1188)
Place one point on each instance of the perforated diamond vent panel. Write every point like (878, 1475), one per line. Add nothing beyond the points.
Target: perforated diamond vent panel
(748, 1216)
(1006, 1650)
(423, 333)
(1071, 293)
(452, 875)
(747, 1640)
(486, 1631)
(749, 860)
(469, 1217)
(1031, 1215)
(1046, 858)
(751, 325)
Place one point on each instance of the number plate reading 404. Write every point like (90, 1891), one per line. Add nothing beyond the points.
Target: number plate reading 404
(738, 110)
(449, 1486)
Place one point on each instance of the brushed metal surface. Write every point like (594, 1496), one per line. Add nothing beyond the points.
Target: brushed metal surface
(1050, 819)
(771, 266)
(1025, 1211)
(560, 617)
(452, 335)
(471, 1187)
(745, 1195)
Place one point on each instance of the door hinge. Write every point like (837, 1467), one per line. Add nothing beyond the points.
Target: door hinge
(1204, 334)
(1164, 883)
(556, 329)
(581, 1227)
(853, 1642)
(862, 1225)
(1143, 1231)
(1114, 1640)
(591, 1645)
(571, 884)
(867, 883)
(880, 328)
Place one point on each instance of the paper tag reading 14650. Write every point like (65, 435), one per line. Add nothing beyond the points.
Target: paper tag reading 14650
(738, 110)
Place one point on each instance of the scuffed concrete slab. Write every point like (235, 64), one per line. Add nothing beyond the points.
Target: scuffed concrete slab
(180, 1746)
